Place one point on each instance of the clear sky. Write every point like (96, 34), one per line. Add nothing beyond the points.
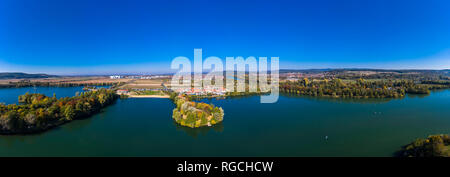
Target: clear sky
(105, 37)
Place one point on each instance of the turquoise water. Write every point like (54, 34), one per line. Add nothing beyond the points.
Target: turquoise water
(294, 126)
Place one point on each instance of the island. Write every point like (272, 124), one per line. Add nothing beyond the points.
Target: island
(37, 112)
(369, 83)
(192, 114)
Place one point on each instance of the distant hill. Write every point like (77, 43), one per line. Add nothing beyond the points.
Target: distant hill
(24, 76)
(363, 69)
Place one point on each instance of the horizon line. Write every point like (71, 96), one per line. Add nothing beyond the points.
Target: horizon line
(166, 73)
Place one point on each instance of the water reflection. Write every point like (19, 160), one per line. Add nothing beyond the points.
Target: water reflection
(200, 131)
(417, 95)
(80, 123)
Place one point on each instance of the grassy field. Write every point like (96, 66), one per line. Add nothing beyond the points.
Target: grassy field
(145, 84)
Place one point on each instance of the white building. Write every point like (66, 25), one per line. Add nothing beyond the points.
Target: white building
(115, 77)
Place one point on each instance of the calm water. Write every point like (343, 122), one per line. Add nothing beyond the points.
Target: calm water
(294, 126)
(10, 95)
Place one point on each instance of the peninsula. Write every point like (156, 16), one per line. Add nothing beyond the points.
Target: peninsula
(37, 112)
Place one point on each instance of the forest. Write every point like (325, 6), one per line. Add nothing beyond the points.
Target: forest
(433, 146)
(359, 88)
(37, 112)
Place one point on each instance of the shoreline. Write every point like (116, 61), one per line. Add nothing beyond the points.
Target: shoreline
(148, 96)
(32, 128)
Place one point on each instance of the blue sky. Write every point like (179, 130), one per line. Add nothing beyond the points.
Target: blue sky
(105, 37)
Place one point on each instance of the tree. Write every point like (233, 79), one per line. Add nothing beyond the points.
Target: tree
(69, 113)
(305, 81)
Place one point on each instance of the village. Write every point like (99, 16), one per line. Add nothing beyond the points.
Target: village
(157, 86)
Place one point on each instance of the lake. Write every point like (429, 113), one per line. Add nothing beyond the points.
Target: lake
(294, 126)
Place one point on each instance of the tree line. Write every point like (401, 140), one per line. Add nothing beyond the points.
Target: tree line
(37, 112)
(416, 75)
(433, 146)
(26, 83)
(359, 88)
(195, 114)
